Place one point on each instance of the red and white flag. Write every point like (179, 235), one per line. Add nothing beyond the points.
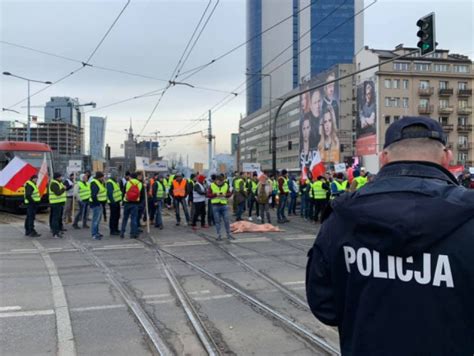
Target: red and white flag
(43, 177)
(317, 165)
(16, 173)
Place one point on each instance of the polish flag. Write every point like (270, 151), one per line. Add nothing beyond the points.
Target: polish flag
(15, 174)
(43, 177)
(317, 165)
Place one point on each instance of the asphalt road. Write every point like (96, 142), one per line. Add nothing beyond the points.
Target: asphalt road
(79, 296)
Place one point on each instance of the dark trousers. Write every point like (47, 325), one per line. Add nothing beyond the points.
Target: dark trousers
(319, 205)
(56, 218)
(114, 217)
(151, 208)
(30, 218)
(82, 213)
(140, 212)
(265, 210)
(182, 202)
(130, 210)
(252, 202)
(292, 205)
(240, 210)
(281, 207)
(199, 212)
(210, 214)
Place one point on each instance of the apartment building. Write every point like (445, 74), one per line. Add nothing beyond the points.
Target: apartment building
(438, 85)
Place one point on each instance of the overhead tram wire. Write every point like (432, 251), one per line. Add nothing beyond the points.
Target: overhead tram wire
(84, 64)
(180, 64)
(199, 68)
(94, 66)
(227, 99)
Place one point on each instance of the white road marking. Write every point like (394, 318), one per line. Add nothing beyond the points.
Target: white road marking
(117, 247)
(12, 308)
(17, 314)
(66, 345)
(186, 243)
(98, 307)
(166, 295)
(292, 283)
(24, 250)
(221, 296)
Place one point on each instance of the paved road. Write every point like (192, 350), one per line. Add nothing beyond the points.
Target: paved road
(79, 296)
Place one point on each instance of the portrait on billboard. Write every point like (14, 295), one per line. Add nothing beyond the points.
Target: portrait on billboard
(319, 120)
(366, 119)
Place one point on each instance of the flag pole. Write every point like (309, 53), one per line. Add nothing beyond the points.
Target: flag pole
(146, 202)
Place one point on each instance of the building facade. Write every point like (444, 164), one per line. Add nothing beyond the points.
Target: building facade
(316, 36)
(5, 129)
(255, 135)
(66, 110)
(438, 85)
(97, 137)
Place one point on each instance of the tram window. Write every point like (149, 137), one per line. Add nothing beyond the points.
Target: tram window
(5, 157)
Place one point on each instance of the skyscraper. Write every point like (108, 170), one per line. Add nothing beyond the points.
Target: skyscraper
(97, 137)
(317, 35)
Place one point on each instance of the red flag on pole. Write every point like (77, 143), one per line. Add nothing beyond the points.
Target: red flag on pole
(43, 177)
(16, 173)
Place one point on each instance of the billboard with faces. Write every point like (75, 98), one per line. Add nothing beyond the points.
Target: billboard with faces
(366, 129)
(319, 123)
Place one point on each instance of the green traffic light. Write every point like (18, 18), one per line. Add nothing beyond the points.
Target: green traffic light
(426, 46)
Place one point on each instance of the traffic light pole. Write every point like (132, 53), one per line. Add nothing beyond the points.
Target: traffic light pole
(286, 99)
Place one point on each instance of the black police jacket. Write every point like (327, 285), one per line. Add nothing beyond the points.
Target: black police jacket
(393, 265)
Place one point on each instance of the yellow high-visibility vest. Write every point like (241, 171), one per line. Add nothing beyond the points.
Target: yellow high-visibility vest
(56, 199)
(215, 189)
(35, 195)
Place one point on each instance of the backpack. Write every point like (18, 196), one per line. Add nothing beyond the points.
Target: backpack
(133, 193)
(262, 194)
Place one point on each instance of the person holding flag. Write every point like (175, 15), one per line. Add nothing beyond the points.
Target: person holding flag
(32, 199)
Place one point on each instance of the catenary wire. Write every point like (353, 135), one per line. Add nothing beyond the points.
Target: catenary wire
(197, 69)
(178, 67)
(84, 64)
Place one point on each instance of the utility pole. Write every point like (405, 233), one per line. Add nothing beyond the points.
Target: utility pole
(210, 141)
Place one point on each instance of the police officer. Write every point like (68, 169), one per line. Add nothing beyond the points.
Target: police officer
(97, 202)
(57, 199)
(32, 199)
(392, 265)
(114, 198)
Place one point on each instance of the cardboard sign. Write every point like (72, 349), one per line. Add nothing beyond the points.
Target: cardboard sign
(251, 167)
(158, 166)
(340, 167)
(142, 163)
(74, 166)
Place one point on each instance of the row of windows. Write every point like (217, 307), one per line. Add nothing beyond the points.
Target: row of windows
(462, 120)
(395, 83)
(391, 102)
(443, 84)
(444, 103)
(426, 67)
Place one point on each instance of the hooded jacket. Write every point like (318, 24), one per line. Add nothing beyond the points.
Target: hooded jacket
(393, 265)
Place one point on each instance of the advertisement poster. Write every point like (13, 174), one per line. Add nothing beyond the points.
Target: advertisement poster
(366, 134)
(319, 123)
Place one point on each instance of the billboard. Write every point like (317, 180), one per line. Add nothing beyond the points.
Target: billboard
(366, 122)
(97, 137)
(319, 123)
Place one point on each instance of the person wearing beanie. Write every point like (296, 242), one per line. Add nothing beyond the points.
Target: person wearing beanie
(159, 195)
(97, 201)
(57, 199)
(114, 199)
(283, 190)
(199, 202)
(338, 186)
(359, 180)
(32, 199)
(83, 196)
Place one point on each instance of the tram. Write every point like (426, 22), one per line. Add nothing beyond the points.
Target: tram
(34, 153)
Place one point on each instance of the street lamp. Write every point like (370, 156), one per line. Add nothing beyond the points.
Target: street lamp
(28, 127)
(269, 105)
(5, 109)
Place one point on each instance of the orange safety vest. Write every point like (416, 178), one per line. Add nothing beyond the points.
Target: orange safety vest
(150, 187)
(179, 189)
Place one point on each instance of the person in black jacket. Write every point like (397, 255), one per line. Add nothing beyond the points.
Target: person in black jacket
(32, 199)
(392, 264)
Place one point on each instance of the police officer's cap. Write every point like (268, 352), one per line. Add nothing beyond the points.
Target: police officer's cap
(395, 133)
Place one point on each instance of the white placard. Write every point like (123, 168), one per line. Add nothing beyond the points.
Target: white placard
(142, 163)
(251, 167)
(74, 166)
(471, 170)
(158, 166)
(340, 167)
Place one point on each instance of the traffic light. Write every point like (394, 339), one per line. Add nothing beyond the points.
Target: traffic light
(426, 33)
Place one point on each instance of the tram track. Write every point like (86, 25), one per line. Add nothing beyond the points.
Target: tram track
(203, 333)
(318, 343)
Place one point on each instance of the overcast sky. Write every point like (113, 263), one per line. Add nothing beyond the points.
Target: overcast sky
(149, 38)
